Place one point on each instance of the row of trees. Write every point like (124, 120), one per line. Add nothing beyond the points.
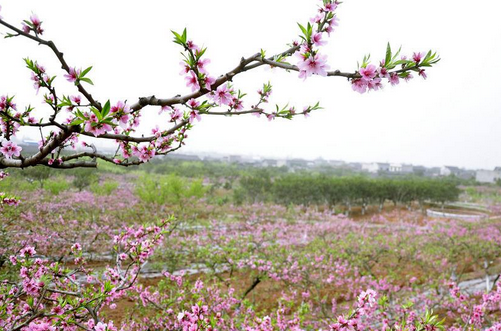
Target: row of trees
(347, 191)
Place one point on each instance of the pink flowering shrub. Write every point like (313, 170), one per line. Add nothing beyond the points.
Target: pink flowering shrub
(53, 296)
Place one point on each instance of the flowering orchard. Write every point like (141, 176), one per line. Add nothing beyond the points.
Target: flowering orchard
(81, 261)
(79, 115)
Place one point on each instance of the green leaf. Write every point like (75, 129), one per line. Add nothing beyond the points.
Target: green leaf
(85, 72)
(302, 29)
(106, 109)
(77, 122)
(185, 36)
(387, 59)
(80, 114)
(87, 80)
(96, 112)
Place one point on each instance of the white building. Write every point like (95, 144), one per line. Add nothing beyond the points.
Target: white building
(401, 168)
(488, 176)
(375, 168)
(448, 170)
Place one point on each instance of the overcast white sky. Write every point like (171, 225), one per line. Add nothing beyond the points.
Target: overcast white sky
(453, 118)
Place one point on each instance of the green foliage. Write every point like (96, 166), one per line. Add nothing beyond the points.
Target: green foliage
(16, 183)
(56, 186)
(254, 188)
(320, 189)
(105, 188)
(84, 178)
(168, 189)
(37, 174)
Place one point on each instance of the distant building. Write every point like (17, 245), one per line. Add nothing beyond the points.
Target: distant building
(449, 170)
(488, 176)
(375, 167)
(400, 168)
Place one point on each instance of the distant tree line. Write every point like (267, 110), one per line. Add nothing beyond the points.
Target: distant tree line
(347, 191)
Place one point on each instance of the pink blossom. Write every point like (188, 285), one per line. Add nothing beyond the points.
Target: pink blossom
(40, 326)
(5, 104)
(193, 103)
(35, 20)
(316, 64)
(222, 95)
(416, 57)
(201, 65)
(394, 79)
(375, 84)
(10, 149)
(25, 28)
(317, 39)
(143, 153)
(422, 73)
(176, 115)
(32, 120)
(330, 7)
(192, 80)
(237, 104)
(383, 72)
(317, 19)
(186, 68)
(191, 45)
(156, 131)
(367, 299)
(76, 247)
(1, 10)
(72, 75)
(209, 81)
(331, 24)
(121, 113)
(359, 85)
(100, 326)
(27, 251)
(95, 127)
(194, 115)
(368, 72)
(37, 24)
(408, 77)
(164, 109)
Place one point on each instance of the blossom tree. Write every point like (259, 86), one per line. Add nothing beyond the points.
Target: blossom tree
(76, 116)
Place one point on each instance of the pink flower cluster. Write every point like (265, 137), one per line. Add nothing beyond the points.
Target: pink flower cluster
(195, 69)
(121, 113)
(144, 153)
(34, 24)
(95, 126)
(7, 125)
(73, 75)
(10, 149)
(311, 63)
(371, 79)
